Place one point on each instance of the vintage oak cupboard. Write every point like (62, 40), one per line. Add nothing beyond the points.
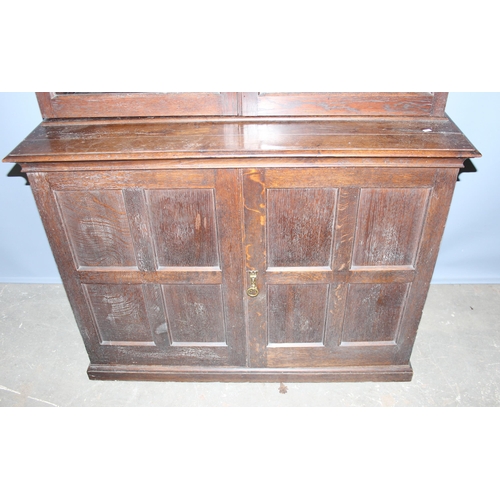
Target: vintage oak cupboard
(245, 236)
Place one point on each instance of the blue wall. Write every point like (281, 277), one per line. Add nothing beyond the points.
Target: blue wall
(470, 251)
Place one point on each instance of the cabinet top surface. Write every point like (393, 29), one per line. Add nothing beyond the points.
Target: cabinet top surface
(157, 138)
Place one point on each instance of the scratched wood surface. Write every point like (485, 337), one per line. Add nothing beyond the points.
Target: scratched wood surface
(297, 313)
(151, 139)
(389, 226)
(344, 103)
(98, 228)
(115, 104)
(184, 228)
(300, 227)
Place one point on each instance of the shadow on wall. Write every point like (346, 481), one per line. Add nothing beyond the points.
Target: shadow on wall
(15, 171)
(468, 168)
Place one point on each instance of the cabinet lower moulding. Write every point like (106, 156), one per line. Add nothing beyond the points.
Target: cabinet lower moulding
(389, 373)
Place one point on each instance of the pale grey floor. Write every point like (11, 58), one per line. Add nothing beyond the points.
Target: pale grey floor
(456, 361)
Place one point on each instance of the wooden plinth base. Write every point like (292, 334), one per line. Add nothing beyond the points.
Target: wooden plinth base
(391, 373)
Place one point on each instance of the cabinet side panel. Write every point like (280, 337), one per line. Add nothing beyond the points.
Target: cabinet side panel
(437, 213)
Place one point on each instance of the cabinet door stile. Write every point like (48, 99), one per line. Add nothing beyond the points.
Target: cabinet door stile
(138, 217)
(230, 225)
(254, 243)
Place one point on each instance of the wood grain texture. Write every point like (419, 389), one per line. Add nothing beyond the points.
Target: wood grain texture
(64, 257)
(300, 227)
(97, 225)
(116, 104)
(297, 313)
(373, 312)
(128, 179)
(439, 204)
(343, 103)
(151, 139)
(387, 373)
(120, 314)
(254, 241)
(140, 228)
(170, 167)
(176, 276)
(389, 226)
(184, 227)
(195, 313)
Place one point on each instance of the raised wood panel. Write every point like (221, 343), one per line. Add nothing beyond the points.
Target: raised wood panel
(373, 312)
(300, 227)
(184, 227)
(297, 313)
(120, 313)
(123, 104)
(98, 228)
(389, 226)
(195, 313)
(344, 103)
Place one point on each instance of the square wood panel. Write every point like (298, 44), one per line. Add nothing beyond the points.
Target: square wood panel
(389, 226)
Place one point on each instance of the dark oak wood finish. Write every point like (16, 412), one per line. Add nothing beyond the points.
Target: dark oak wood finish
(343, 103)
(338, 206)
(105, 104)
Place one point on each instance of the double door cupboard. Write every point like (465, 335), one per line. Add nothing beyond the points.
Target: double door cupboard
(270, 237)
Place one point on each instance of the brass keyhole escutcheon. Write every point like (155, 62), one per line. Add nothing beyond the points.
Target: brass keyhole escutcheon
(252, 290)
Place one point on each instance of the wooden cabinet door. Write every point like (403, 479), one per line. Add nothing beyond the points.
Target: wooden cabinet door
(343, 257)
(151, 261)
